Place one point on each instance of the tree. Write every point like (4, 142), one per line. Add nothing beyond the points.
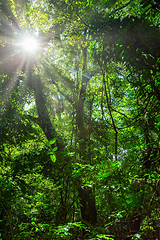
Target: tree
(84, 132)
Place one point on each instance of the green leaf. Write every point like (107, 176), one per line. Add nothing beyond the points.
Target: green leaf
(51, 142)
(71, 154)
(55, 149)
(50, 153)
(104, 236)
(53, 157)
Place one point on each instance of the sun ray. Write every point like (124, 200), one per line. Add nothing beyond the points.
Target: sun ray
(12, 81)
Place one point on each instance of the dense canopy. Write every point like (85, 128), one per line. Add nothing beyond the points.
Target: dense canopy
(79, 119)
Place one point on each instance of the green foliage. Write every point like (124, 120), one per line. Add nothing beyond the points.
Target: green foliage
(80, 121)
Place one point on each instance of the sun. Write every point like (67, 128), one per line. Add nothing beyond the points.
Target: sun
(30, 44)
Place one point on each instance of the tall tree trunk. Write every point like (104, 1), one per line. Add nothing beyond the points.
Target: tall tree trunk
(48, 129)
(43, 117)
(87, 202)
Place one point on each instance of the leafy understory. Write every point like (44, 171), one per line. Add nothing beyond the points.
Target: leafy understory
(79, 120)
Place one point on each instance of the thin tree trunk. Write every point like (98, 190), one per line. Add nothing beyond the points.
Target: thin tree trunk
(87, 200)
(110, 113)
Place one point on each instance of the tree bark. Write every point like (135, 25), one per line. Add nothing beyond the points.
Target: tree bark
(87, 202)
(43, 117)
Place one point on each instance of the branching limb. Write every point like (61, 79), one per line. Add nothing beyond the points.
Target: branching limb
(63, 94)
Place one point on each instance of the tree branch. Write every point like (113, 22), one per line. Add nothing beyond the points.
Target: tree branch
(120, 8)
(64, 95)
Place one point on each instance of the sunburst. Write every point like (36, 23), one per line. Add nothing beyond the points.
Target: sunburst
(30, 44)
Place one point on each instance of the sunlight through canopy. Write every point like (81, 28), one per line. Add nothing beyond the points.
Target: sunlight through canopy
(30, 44)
